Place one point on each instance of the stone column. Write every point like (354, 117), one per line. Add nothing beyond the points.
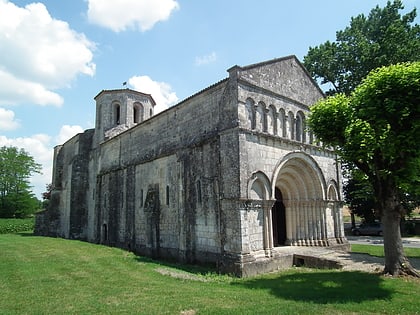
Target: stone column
(320, 222)
(289, 229)
(340, 225)
(267, 205)
(309, 222)
(314, 221)
(324, 205)
(304, 208)
(295, 222)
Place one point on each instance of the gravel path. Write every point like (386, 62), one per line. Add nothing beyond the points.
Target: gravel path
(362, 262)
(348, 261)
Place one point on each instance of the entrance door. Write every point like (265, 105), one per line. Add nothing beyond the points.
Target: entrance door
(279, 220)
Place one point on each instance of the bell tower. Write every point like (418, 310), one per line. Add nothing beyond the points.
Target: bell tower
(119, 110)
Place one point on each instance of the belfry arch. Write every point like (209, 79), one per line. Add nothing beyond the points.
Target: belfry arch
(299, 187)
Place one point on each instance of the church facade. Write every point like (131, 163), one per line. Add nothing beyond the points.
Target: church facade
(228, 176)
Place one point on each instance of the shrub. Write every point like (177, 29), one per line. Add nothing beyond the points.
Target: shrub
(16, 225)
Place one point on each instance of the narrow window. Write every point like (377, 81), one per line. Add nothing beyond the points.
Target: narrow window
(250, 108)
(141, 198)
(151, 113)
(117, 114)
(291, 122)
(167, 195)
(105, 232)
(135, 115)
(199, 196)
(298, 126)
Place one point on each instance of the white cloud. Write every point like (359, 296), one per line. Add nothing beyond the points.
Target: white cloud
(41, 148)
(39, 54)
(206, 59)
(161, 92)
(130, 14)
(67, 132)
(7, 120)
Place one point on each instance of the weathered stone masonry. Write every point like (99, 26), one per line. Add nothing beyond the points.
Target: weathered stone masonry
(227, 176)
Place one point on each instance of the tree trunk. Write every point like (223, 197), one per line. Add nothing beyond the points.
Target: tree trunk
(396, 263)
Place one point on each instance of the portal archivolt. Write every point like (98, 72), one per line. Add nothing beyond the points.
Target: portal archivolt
(299, 190)
(304, 210)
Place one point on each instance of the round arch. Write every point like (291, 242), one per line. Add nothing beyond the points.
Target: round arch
(299, 190)
(332, 191)
(299, 177)
(259, 186)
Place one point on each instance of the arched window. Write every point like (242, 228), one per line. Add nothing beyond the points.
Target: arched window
(300, 127)
(151, 112)
(136, 119)
(291, 125)
(135, 115)
(261, 117)
(138, 113)
(282, 129)
(271, 120)
(117, 114)
(250, 108)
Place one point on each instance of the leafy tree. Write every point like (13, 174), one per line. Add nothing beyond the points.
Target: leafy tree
(382, 38)
(358, 194)
(377, 129)
(16, 167)
(46, 196)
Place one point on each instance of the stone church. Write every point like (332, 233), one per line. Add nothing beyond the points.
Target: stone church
(229, 176)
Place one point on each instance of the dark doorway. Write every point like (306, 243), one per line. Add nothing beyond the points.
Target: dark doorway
(279, 220)
(104, 233)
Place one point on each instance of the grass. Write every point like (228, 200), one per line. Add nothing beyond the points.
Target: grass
(379, 250)
(42, 275)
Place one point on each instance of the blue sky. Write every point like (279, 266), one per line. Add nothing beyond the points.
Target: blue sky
(57, 55)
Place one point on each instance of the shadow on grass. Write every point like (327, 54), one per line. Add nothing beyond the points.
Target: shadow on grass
(314, 286)
(26, 233)
(322, 287)
(193, 269)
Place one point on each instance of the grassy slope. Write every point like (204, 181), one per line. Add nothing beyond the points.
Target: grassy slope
(54, 276)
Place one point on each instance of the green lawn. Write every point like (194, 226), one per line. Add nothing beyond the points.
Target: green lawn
(379, 250)
(42, 275)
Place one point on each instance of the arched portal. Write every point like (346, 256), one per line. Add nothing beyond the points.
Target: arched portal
(301, 185)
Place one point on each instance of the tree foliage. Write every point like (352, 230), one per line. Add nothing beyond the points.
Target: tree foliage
(382, 38)
(16, 167)
(358, 194)
(377, 129)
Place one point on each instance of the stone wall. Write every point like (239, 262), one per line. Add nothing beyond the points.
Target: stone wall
(67, 213)
(174, 177)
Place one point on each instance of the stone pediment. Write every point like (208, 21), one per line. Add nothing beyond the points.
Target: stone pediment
(283, 76)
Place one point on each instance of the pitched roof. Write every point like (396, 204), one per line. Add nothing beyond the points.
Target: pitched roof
(125, 91)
